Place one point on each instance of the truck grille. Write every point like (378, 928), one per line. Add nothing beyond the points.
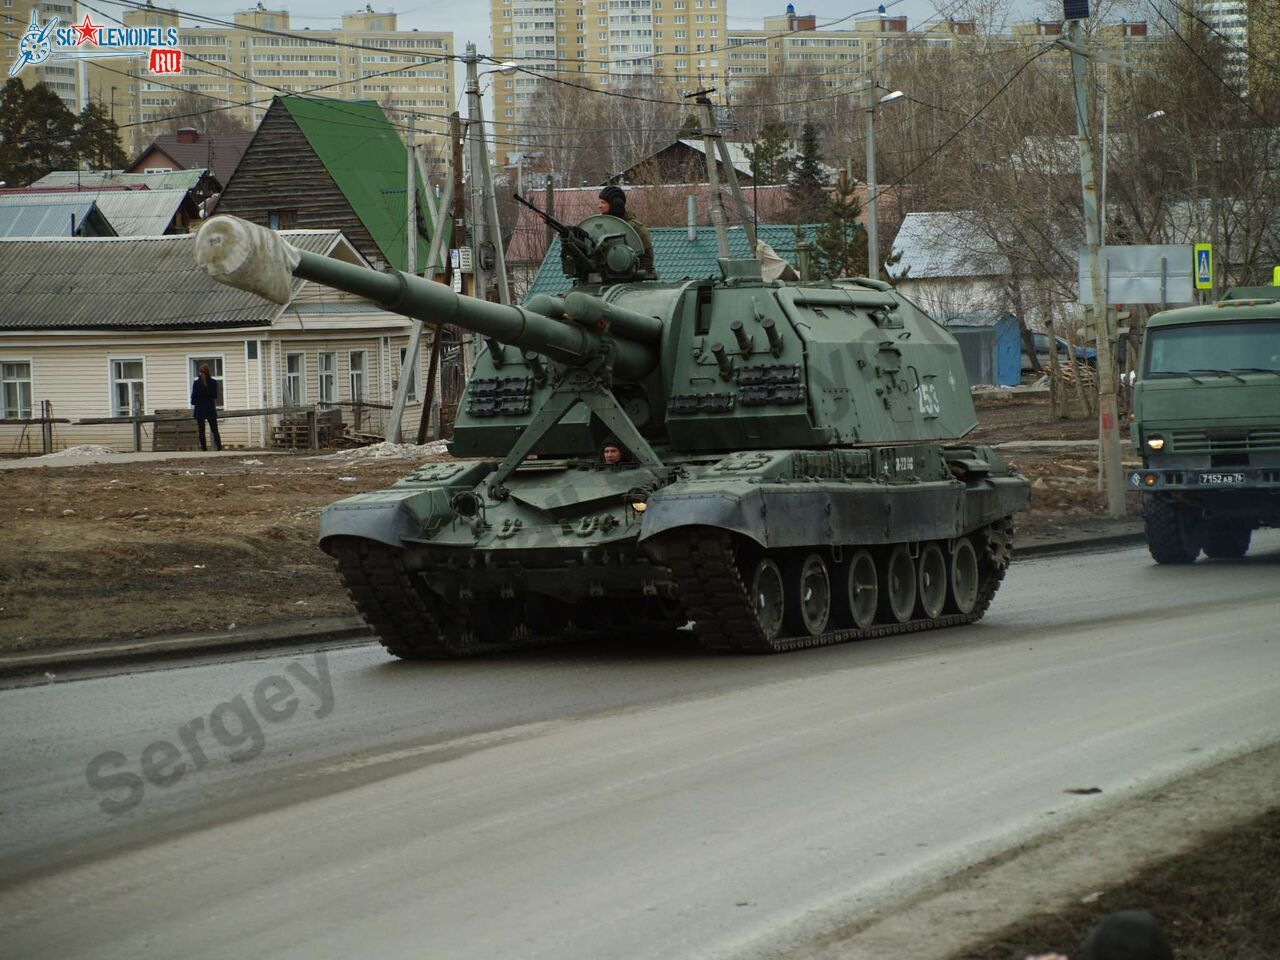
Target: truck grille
(1248, 441)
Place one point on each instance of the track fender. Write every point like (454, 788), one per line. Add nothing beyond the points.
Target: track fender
(385, 516)
(744, 514)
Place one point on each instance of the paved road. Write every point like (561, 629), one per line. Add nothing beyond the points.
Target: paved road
(609, 802)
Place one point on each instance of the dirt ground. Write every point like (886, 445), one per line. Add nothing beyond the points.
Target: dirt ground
(1221, 901)
(127, 550)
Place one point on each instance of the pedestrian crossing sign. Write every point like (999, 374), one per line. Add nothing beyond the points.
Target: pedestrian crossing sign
(1204, 266)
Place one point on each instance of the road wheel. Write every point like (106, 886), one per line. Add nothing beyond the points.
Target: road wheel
(1227, 539)
(931, 580)
(963, 576)
(862, 589)
(898, 586)
(1173, 532)
(497, 621)
(547, 616)
(768, 598)
(808, 602)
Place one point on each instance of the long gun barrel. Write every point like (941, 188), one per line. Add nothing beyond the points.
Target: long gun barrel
(253, 258)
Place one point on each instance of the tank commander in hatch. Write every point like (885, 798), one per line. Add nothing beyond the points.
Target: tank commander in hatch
(613, 201)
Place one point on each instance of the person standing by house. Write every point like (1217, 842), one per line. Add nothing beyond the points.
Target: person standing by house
(204, 405)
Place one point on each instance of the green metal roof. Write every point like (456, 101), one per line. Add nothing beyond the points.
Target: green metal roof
(676, 257)
(363, 153)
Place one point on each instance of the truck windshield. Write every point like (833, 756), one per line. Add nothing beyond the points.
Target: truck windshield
(1249, 346)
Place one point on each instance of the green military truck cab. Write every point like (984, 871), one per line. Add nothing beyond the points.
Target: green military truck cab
(1206, 422)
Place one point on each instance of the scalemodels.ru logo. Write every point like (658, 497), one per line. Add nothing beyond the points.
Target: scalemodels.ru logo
(93, 41)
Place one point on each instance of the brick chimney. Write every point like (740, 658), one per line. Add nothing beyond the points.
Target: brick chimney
(188, 135)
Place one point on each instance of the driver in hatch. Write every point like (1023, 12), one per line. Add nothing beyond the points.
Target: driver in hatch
(613, 453)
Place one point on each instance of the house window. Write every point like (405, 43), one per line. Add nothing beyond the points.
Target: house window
(356, 364)
(328, 363)
(215, 371)
(128, 387)
(282, 219)
(15, 393)
(295, 379)
(412, 374)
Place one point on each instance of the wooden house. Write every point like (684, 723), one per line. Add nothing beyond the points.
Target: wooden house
(329, 164)
(115, 326)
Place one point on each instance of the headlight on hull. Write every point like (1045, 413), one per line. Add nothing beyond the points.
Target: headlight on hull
(1155, 442)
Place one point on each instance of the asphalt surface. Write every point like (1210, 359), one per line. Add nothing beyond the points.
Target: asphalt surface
(609, 801)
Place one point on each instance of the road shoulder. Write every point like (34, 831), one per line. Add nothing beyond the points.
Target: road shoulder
(947, 919)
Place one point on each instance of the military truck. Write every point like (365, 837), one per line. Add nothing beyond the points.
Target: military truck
(1206, 422)
(793, 474)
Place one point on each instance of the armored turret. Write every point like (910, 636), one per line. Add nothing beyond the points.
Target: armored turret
(793, 476)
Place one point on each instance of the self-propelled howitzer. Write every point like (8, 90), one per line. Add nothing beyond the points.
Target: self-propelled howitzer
(792, 473)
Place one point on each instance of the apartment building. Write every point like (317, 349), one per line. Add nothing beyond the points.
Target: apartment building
(63, 75)
(261, 54)
(603, 44)
(1248, 31)
(838, 57)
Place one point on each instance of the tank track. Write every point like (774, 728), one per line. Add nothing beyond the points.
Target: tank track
(703, 562)
(405, 619)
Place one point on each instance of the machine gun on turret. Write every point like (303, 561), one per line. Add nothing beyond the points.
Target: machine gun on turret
(601, 249)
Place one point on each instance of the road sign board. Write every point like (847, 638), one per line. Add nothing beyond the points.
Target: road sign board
(1275, 276)
(1204, 266)
(1141, 273)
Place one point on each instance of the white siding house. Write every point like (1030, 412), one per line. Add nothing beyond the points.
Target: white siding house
(948, 266)
(100, 327)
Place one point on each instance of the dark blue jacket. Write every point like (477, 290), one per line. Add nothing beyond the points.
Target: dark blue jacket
(204, 398)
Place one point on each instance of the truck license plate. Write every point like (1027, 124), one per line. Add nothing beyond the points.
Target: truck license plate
(1218, 479)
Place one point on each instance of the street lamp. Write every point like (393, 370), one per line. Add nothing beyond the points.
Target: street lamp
(873, 254)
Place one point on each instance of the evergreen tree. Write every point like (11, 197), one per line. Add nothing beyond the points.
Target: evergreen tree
(691, 128)
(768, 155)
(37, 133)
(98, 139)
(807, 191)
(13, 98)
(51, 132)
(840, 248)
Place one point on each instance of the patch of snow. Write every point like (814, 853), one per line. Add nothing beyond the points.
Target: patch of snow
(74, 453)
(388, 451)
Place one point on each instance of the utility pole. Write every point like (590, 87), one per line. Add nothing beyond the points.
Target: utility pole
(458, 213)
(713, 179)
(873, 240)
(1108, 411)
(475, 160)
(411, 268)
(489, 206)
(711, 134)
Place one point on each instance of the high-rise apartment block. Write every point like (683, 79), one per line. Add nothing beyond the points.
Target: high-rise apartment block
(65, 77)
(601, 44)
(239, 67)
(1247, 32)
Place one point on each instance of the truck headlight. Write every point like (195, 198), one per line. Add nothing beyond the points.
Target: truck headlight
(1155, 442)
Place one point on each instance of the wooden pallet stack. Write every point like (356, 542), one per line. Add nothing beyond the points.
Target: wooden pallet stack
(294, 432)
(170, 435)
